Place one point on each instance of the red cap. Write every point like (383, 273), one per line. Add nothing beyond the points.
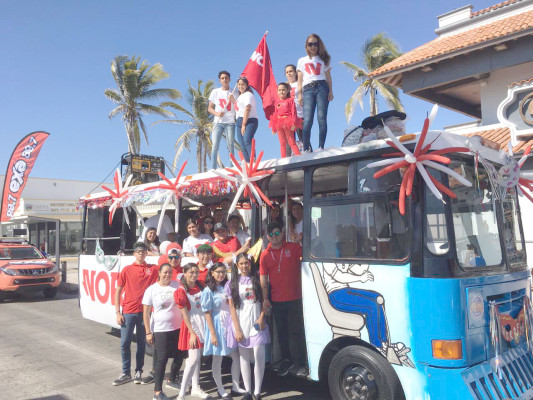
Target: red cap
(173, 246)
(162, 260)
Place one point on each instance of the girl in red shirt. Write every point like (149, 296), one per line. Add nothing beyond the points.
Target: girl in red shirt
(188, 298)
(284, 121)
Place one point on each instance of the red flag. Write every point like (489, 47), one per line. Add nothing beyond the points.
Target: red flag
(260, 76)
(18, 169)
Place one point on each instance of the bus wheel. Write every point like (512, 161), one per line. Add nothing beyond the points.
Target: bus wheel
(359, 373)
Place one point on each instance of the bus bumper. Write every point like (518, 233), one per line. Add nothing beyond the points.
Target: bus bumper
(514, 379)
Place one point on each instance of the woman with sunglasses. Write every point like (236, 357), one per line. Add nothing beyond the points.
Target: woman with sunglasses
(315, 89)
(246, 124)
(208, 225)
(195, 239)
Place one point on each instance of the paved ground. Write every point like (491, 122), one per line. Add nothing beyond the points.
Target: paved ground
(48, 351)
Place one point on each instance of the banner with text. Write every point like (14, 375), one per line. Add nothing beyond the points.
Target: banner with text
(18, 169)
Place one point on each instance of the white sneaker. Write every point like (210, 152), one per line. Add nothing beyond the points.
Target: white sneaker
(198, 392)
(180, 398)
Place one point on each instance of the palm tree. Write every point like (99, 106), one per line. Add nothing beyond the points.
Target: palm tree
(135, 84)
(377, 51)
(200, 124)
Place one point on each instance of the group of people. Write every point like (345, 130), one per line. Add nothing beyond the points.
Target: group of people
(308, 88)
(219, 305)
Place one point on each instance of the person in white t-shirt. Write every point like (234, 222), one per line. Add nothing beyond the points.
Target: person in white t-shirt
(292, 79)
(163, 324)
(191, 243)
(315, 89)
(223, 109)
(247, 121)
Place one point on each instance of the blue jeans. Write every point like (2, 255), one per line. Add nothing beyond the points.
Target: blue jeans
(366, 303)
(249, 132)
(217, 135)
(132, 321)
(315, 96)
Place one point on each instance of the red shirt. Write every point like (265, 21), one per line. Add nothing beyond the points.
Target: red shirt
(176, 271)
(231, 246)
(135, 279)
(283, 269)
(181, 299)
(202, 275)
(286, 108)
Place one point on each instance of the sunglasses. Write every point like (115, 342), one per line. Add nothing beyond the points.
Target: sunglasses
(312, 44)
(174, 257)
(277, 233)
(208, 222)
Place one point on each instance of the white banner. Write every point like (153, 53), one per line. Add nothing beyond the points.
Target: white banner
(97, 286)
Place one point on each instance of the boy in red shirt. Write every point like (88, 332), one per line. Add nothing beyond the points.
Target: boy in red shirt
(227, 245)
(279, 265)
(134, 279)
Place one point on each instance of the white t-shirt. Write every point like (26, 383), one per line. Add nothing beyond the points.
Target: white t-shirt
(152, 222)
(243, 236)
(166, 314)
(294, 95)
(313, 69)
(190, 244)
(219, 97)
(247, 98)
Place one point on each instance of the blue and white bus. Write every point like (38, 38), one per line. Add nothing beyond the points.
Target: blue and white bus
(431, 304)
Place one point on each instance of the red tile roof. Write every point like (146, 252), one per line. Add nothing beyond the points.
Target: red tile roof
(448, 44)
(502, 136)
(494, 7)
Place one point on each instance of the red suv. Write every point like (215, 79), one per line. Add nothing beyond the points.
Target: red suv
(23, 268)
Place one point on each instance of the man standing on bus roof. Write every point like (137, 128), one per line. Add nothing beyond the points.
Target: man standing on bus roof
(134, 279)
(224, 111)
(279, 265)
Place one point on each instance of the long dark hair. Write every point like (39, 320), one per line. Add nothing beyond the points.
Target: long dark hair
(234, 285)
(183, 280)
(322, 52)
(245, 80)
(156, 241)
(211, 282)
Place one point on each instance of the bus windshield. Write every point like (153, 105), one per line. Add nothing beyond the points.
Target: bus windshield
(512, 234)
(475, 222)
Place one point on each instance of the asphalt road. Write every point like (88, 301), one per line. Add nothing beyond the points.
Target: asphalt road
(48, 351)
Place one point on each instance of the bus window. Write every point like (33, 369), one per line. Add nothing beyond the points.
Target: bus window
(371, 230)
(331, 180)
(436, 230)
(366, 183)
(512, 236)
(477, 239)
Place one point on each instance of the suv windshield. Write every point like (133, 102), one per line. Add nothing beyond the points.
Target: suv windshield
(477, 239)
(19, 253)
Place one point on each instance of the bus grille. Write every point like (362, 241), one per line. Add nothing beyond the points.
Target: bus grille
(515, 381)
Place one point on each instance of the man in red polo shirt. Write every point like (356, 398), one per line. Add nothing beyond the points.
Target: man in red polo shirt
(134, 279)
(279, 265)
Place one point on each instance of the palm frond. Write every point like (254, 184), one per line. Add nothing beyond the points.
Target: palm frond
(391, 96)
(357, 97)
(150, 109)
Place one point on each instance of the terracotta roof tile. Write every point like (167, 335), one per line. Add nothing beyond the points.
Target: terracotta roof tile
(521, 82)
(502, 136)
(448, 44)
(494, 7)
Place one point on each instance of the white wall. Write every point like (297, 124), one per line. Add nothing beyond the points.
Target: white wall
(496, 89)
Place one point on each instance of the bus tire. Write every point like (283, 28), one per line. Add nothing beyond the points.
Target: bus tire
(357, 372)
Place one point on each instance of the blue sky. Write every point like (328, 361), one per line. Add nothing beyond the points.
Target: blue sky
(57, 55)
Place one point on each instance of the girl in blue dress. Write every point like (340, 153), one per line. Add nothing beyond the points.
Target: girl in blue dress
(215, 305)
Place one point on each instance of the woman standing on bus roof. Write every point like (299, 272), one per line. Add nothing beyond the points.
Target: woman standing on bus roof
(195, 238)
(188, 298)
(166, 320)
(315, 88)
(216, 309)
(247, 328)
(152, 242)
(247, 121)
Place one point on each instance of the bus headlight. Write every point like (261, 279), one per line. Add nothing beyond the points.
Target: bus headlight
(447, 349)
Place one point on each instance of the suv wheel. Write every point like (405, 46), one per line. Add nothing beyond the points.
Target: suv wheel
(50, 293)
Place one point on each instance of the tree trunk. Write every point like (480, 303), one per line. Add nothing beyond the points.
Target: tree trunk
(199, 155)
(373, 102)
